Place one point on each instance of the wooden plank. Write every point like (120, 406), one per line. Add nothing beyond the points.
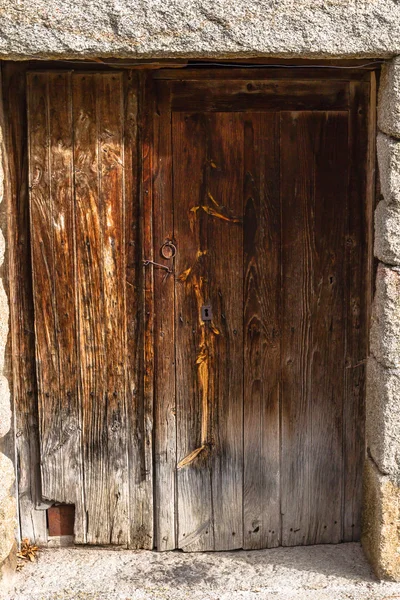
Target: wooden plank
(164, 329)
(194, 337)
(358, 301)
(97, 407)
(24, 389)
(224, 198)
(90, 305)
(50, 152)
(314, 196)
(99, 191)
(139, 446)
(292, 72)
(262, 288)
(42, 259)
(329, 336)
(110, 125)
(70, 479)
(256, 95)
(147, 158)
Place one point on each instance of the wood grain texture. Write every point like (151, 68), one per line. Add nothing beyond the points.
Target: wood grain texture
(63, 231)
(256, 95)
(110, 114)
(264, 73)
(164, 330)
(50, 154)
(289, 301)
(262, 291)
(208, 224)
(258, 414)
(146, 96)
(313, 340)
(90, 306)
(24, 388)
(79, 186)
(225, 235)
(358, 301)
(194, 337)
(140, 439)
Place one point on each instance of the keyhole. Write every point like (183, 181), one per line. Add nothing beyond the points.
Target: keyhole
(206, 313)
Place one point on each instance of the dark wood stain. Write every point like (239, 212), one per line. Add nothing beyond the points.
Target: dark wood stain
(357, 301)
(262, 265)
(313, 335)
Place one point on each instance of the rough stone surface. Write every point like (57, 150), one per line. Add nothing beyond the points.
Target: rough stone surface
(122, 28)
(381, 522)
(5, 408)
(385, 318)
(389, 99)
(7, 508)
(388, 150)
(7, 569)
(7, 489)
(387, 233)
(383, 418)
(336, 572)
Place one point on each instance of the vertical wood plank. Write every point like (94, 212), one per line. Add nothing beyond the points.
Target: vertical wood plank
(139, 441)
(358, 301)
(110, 114)
(24, 388)
(164, 329)
(63, 229)
(262, 288)
(313, 204)
(90, 305)
(49, 108)
(194, 337)
(146, 192)
(224, 207)
(43, 262)
(329, 335)
(100, 199)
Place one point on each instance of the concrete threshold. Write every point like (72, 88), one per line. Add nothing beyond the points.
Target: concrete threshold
(314, 573)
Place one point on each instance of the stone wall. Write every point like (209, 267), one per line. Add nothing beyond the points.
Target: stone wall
(7, 477)
(381, 531)
(245, 28)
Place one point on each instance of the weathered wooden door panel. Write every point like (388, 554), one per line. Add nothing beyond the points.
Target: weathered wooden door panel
(262, 323)
(257, 433)
(314, 183)
(208, 216)
(84, 225)
(241, 337)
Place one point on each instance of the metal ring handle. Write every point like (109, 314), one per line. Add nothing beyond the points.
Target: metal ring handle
(168, 244)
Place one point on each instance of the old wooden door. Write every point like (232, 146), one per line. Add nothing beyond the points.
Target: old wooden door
(201, 303)
(260, 332)
(95, 434)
